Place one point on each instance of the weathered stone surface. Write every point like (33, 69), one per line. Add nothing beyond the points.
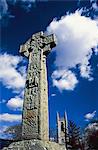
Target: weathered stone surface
(35, 107)
(35, 145)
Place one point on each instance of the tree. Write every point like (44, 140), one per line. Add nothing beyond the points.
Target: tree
(74, 136)
(91, 135)
(14, 132)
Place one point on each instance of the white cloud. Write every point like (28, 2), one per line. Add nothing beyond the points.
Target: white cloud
(2, 101)
(2, 129)
(22, 94)
(26, 4)
(85, 70)
(76, 36)
(9, 74)
(30, 1)
(15, 103)
(90, 116)
(22, 70)
(10, 117)
(53, 94)
(64, 79)
(94, 4)
(3, 8)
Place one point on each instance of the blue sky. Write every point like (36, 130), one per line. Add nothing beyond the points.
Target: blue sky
(72, 64)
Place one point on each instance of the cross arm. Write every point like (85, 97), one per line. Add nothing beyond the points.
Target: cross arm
(50, 39)
(38, 40)
(49, 42)
(24, 49)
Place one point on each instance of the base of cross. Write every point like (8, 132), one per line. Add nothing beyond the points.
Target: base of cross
(34, 145)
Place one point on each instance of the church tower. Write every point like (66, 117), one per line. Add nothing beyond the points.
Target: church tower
(62, 129)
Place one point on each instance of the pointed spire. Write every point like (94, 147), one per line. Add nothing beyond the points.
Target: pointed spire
(57, 114)
(66, 120)
(66, 129)
(58, 127)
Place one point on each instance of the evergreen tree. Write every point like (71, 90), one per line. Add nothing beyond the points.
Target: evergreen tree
(91, 135)
(74, 136)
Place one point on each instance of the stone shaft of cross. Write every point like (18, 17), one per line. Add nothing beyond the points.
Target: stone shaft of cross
(35, 107)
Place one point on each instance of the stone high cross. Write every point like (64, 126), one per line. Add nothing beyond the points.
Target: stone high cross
(35, 107)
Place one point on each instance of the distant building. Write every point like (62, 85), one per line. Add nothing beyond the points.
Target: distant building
(62, 129)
